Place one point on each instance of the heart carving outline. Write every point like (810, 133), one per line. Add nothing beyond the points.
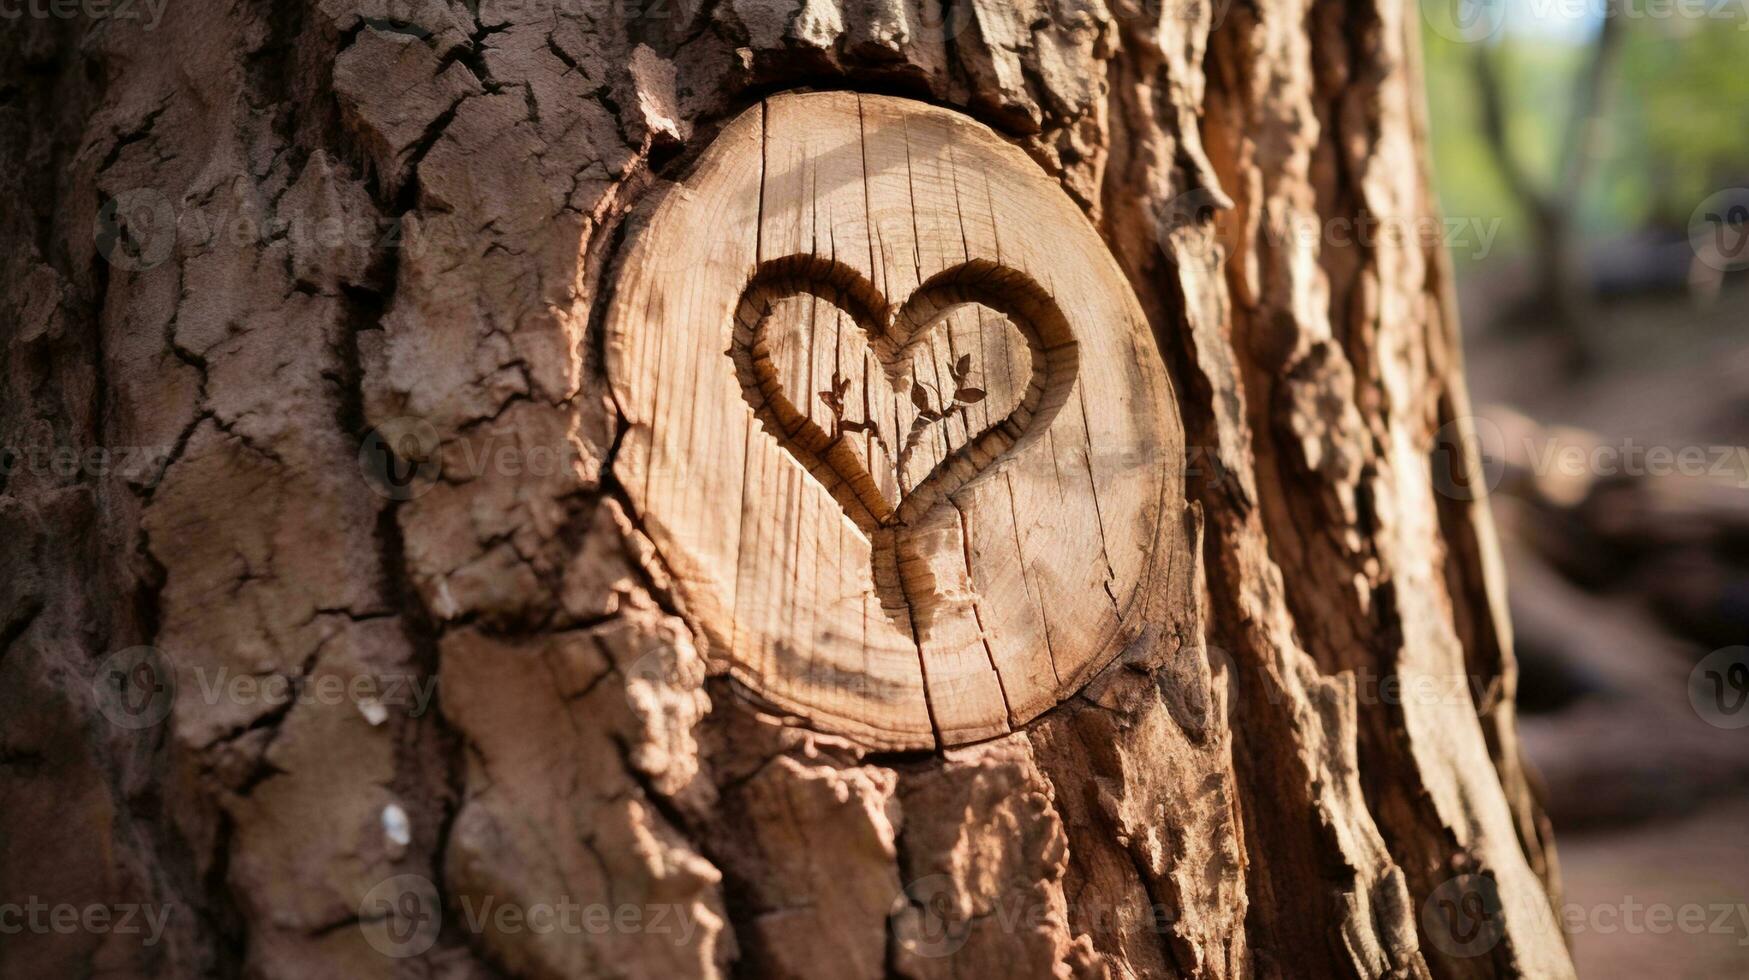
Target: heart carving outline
(893, 332)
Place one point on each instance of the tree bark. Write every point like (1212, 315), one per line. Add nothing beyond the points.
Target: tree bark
(308, 423)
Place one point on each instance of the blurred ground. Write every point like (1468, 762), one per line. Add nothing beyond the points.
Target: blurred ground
(1622, 580)
(1616, 877)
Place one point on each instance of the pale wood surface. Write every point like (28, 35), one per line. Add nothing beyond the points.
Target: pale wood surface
(896, 420)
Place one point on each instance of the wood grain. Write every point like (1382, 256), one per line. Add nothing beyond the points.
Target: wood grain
(896, 421)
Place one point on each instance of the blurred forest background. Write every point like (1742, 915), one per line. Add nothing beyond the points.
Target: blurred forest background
(1593, 164)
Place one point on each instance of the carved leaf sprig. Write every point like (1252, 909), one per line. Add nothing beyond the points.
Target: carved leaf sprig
(965, 395)
(925, 397)
(834, 399)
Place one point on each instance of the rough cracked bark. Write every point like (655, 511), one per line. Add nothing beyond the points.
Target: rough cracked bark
(402, 217)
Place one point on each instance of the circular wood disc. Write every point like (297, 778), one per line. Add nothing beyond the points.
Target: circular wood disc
(897, 424)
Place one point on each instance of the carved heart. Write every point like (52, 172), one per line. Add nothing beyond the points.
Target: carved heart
(872, 449)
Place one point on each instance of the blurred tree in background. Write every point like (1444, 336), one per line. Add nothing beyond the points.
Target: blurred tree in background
(1673, 115)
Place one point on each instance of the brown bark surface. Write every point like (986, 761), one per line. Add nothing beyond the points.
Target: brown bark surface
(253, 249)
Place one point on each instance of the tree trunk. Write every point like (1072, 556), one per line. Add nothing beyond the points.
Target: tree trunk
(336, 643)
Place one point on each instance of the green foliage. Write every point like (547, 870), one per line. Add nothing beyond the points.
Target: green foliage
(1680, 120)
(1676, 123)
